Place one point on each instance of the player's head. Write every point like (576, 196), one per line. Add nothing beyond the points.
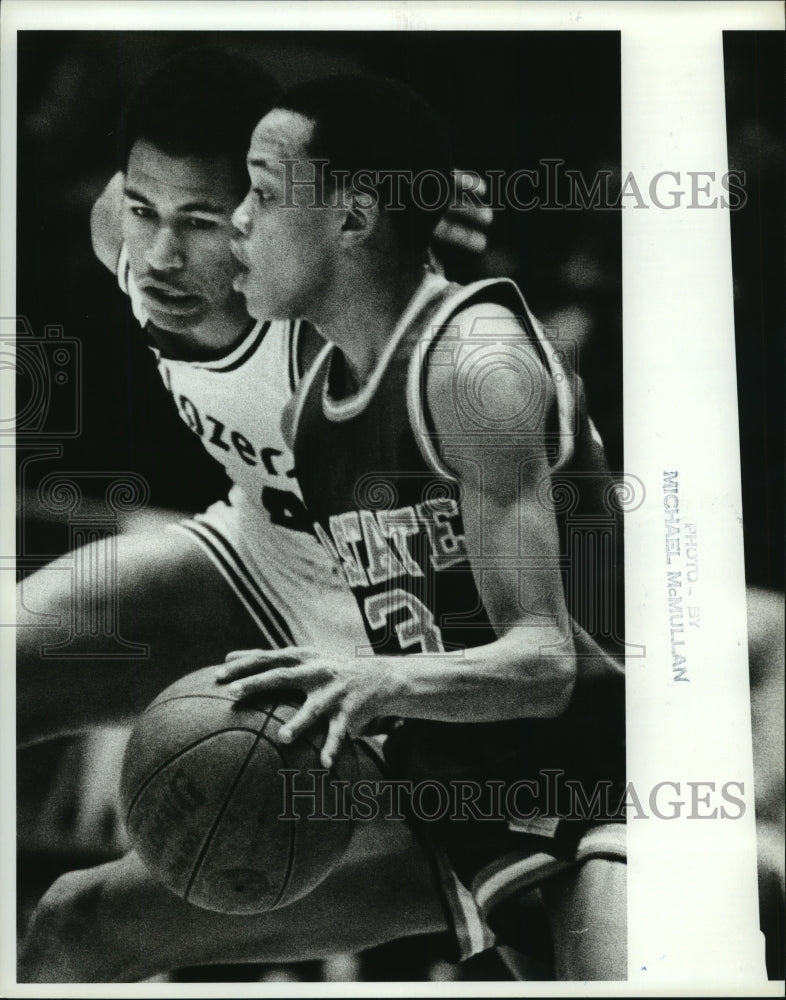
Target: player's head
(183, 143)
(341, 169)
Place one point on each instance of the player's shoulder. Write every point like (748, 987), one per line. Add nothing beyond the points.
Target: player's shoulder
(486, 368)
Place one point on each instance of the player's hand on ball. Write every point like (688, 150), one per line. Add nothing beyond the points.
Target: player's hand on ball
(465, 222)
(349, 693)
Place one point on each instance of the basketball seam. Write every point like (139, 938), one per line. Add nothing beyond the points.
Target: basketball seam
(224, 806)
(295, 829)
(291, 854)
(269, 715)
(162, 767)
(214, 697)
(178, 697)
(190, 746)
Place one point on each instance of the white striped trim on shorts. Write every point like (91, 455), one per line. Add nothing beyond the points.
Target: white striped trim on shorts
(471, 933)
(225, 558)
(512, 872)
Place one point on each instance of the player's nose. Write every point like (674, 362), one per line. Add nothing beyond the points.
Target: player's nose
(165, 253)
(241, 217)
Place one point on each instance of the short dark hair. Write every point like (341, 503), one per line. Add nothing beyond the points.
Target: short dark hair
(201, 102)
(371, 123)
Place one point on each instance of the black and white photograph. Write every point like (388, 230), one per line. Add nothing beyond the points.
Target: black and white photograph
(398, 464)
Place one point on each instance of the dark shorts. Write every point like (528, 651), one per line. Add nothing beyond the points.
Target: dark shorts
(489, 870)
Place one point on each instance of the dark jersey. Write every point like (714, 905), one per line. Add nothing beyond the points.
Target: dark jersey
(388, 510)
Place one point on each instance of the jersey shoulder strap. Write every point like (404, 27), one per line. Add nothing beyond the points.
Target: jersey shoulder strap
(434, 336)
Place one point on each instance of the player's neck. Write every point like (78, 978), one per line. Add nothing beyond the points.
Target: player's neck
(362, 311)
(214, 337)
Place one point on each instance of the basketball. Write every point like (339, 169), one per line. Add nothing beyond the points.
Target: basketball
(208, 809)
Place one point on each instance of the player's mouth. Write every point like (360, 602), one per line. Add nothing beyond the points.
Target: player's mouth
(239, 280)
(171, 300)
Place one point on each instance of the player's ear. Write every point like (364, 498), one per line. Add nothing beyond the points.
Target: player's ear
(361, 213)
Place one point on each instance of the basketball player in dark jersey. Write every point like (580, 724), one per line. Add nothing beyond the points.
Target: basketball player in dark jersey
(448, 463)
(243, 573)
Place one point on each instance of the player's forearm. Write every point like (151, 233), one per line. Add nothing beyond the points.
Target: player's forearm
(513, 677)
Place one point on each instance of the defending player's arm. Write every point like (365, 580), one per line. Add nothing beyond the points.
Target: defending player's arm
(466, 219)
(529, 670)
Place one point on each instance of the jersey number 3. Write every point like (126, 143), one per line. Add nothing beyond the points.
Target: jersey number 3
(418, 629)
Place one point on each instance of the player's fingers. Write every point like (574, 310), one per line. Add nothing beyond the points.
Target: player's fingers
(468, 180)
(298, 677)
(315, 706)
(459, 236)
(303, 652)
(242, 653)
(467, 214)
(336, 734)
(255, 661)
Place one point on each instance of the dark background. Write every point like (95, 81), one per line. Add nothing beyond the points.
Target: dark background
(756, 126)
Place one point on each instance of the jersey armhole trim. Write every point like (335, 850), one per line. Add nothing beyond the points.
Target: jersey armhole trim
(564, 386)
(420, 419)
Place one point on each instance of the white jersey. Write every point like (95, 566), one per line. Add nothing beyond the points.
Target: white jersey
(259, 538)
(233, 403)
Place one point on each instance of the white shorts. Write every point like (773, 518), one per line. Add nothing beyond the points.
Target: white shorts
(284, 578)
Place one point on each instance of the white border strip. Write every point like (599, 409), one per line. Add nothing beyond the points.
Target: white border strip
(691, 882)
(383, 15)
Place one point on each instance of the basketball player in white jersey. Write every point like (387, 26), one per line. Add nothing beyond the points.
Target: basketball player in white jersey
(433, 438)
(248, 572)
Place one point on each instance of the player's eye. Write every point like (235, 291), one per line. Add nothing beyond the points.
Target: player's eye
(141, 211)
(262, 196)
(203, 224)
